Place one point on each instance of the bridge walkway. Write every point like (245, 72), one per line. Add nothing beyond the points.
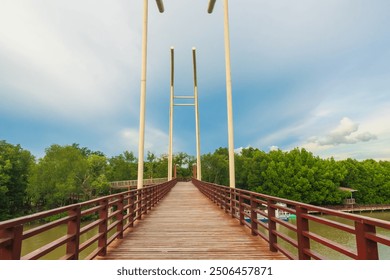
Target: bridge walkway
(187, 225)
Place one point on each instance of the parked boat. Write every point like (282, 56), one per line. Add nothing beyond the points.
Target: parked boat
(280, 214)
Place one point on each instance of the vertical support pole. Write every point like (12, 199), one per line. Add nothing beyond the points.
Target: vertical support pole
(128, 201)
(220, 197)
(194, 171)
(366, 249)
(150, 191)
(227, 198)
(253, 216)
(14, 249)
(119, 216)
(145, 198)
(232, 198)
(72, 247)
(170, 149)
(271, 226)
(232, 178)
(302, 226)
(141, 141)
(139, 204)
(241, 208)
(198, 163)
(103, 216)
(159, 191)
(175, 171)
(131, 208)
(154, 196)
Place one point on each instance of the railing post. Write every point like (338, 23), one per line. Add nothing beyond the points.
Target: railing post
(154, 195)
(131, 208)
(146, 199)
(72, 247)
(119, 216)
(13, 250)
(151, 198)
(103, 216)
(232, 198)
(253, 216)
(226, 193)
(366, 249)
(273, 239)
(220, 197)
(241, 208)
(302, 226)
(139, 203)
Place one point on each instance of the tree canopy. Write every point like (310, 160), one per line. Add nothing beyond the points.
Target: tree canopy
(301, 176)
(15, 168)
(70, 173)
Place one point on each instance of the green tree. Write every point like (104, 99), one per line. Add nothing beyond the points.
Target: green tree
(161, 167)
(60, 174)
(97, 183)
(215, 167)
(184, 163)
(151, 164)
(122, 167)
(370, 178)
(15, 165)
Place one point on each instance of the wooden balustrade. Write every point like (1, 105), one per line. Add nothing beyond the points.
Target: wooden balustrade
(110, 216)
(247, 206)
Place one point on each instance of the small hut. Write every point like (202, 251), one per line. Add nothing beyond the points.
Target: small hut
(351, 200)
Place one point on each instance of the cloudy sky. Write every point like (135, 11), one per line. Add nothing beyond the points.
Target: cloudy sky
(312, 74)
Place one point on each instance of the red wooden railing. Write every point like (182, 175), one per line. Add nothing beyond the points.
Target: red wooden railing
(245, 206)
(110, 216)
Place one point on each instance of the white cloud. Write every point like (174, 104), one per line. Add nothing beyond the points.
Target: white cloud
(273, 148)
(156, 140)
(345, 133)
(351, 140)
(298, 69)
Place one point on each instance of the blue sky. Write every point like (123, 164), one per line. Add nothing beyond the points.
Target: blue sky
(311, 74)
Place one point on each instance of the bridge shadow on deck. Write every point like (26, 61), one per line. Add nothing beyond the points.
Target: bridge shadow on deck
(186, 225)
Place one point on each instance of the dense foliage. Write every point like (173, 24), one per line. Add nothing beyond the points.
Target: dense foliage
(70, 173)
(15, 167)
(299, 175)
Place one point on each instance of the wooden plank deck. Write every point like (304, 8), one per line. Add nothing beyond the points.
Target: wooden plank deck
(186, 225)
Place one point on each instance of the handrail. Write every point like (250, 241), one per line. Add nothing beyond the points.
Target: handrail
(109, 215)
(133, 183)
(246, 205)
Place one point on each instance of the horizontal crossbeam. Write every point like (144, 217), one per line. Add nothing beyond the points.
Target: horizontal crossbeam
(183, 104)
(184, 97)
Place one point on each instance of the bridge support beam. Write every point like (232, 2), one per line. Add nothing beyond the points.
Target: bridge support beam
(232, 178)
(171, 109)
(170, 152)
(141, 136)
(198, 164)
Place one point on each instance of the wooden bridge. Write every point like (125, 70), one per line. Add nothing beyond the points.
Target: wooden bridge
(187, 220)
(189, 226)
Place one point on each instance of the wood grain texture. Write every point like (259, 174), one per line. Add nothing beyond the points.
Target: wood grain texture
(186, 225)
